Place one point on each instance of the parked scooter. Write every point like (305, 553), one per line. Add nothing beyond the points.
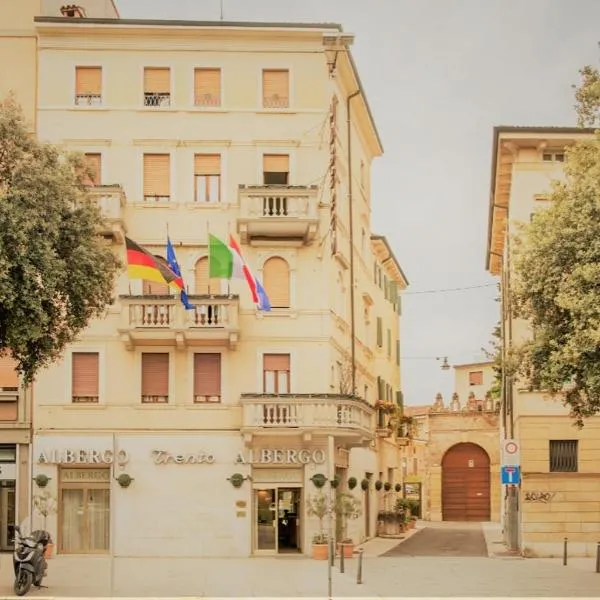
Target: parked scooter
(29, 562)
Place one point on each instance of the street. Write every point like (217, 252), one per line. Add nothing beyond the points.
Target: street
(443, 560)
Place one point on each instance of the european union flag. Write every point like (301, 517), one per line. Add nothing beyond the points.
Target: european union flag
(174, 266)
(263, 299)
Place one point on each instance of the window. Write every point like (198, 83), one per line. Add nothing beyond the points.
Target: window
(276, 169)
(9, 388)
(207, 87)
(155, 288)
(207, 377)
(398, 352)
(84, 510)
(553, 156)
(157, 178)
(93, 163)
(476, 378)
(207, 178)
(203, 285)
(276, 374)
(389, 343)
(563, 456)
(88, 86)
(84, 377)
(157, 87)
(155, 377)
(379, 332)
(276, 280)
(276, 88)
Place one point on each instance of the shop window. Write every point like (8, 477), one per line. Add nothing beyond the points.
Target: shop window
(84, 511)
(155, 377)
(207, 377)
(476, 378)
(276, 373)
(563, 456)
(84, 377)
(276, 278)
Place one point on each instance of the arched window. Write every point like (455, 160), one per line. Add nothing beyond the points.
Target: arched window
(152, 288)
(276, 279)
(203, 283)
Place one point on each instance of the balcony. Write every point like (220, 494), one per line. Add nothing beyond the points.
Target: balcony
(163, 321)
(278, 212)
(350, 420)
(111, 201)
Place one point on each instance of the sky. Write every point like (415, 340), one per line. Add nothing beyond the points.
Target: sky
(439, 75)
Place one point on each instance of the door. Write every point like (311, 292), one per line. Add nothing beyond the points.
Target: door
(7, 523)
(277, 522)
(265, 502)
(466, 484)
(288, 520)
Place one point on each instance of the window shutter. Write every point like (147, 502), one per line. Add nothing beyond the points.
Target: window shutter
(379, 332)
(157, 175)
(398, 352)
(207, 164)
(207, 87)
(380, 388)
(400, 399)
(157, 80)
(386, 289)
(276, 281)
(207, 375)
(201, 286)
(276, 88)
(476, 378)
(88, 81)
(399, 306)
(9, 377)
(276, 163)
(85, 377)
(276, 362)
(389, 342)
(155, 374)
(94, 163)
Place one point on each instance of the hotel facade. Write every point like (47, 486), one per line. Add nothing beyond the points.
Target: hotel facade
(560, 478)
(173, 432)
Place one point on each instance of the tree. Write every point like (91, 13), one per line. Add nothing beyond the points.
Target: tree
(56, 272)
(587, 97)
(494, 354)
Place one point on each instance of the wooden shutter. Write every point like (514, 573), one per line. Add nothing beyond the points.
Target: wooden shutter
(380, 388)
(207, 87)
(389, 342)
(207, 164)
(157, 181)
(276, 362)
(157, 80)
(9, 377)
(276, 280)
(379, 332)
(85, 376)
(476, 378)
(94, 164)
(155, 374)
(398, 352)
(88, 81)
(276, 163)
(276, 88)
(202, 282)
(207, 374)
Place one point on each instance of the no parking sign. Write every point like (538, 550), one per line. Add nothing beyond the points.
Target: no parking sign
(511, 453)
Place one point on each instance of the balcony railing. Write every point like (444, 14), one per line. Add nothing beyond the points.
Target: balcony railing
(111, 200)
(157, 99)
(313, 413)
(214, 319)
(278, 212)
(88, 100)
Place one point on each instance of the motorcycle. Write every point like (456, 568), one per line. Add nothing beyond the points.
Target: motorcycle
(29, 562)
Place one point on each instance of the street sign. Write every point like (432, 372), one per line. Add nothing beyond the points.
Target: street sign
(511, 453)
(510, 475)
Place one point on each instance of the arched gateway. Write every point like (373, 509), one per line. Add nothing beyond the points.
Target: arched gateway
(466, 483)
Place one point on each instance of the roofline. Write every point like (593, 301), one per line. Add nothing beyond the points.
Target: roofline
(497, 131)
(382, 238)
(474, 364)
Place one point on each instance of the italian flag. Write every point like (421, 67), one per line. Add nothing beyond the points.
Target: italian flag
(226, 262)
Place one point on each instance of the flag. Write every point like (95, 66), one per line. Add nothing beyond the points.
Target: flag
(263, 300)
(250, 279)
(174, 266)
(223, 262)
(141, 264)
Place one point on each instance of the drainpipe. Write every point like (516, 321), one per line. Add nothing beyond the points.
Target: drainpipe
(351, 226)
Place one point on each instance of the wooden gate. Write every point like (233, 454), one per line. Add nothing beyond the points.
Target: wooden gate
(466, 484)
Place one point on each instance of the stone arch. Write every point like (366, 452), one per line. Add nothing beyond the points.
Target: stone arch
(466, 483)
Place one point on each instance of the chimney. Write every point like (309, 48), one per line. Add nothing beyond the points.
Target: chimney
(72, 11)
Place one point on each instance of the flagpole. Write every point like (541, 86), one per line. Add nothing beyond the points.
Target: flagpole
(228, 234)
(208, 246)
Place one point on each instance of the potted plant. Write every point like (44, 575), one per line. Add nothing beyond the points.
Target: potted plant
(318, 506)
(346, 507)
(45, 504)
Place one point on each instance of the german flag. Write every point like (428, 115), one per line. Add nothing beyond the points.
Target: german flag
(141, 264)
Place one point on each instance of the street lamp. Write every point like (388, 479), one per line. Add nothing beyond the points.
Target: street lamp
(445, 366)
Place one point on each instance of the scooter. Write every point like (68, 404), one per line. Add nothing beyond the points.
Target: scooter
(29, 562)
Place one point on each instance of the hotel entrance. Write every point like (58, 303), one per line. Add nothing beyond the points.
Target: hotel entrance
(277, 520)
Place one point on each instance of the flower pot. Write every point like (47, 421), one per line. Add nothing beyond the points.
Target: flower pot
(48, 551)
(347, 548)
(320, 551)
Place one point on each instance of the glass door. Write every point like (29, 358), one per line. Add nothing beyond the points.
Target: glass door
(265, 502)
(289, 534)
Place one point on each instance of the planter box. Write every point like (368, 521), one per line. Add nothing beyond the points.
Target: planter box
(347, 548)
(320, 551)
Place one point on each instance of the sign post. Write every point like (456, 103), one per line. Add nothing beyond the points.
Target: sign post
(511, 453)
(511, 475)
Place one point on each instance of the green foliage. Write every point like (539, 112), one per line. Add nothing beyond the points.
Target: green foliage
(494, 354)
(56, 273)
(556, 287)
(587, 96)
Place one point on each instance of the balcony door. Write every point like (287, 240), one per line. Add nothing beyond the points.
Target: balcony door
(277, 520)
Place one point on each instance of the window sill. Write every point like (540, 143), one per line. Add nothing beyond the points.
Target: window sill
(276, 312)
(170, 205)
(208, 405)
(276, 111)
(206, 205)
(156, 406)
(81, 406)
(81, 107)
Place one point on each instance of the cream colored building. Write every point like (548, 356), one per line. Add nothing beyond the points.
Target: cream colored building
(560, 478)
(152, 420)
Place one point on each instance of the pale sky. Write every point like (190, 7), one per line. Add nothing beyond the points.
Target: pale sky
(439, 75)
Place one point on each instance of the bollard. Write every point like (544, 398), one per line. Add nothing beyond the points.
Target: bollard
(598, 558)
(341, 558)
(565, 552)
(359, 578)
